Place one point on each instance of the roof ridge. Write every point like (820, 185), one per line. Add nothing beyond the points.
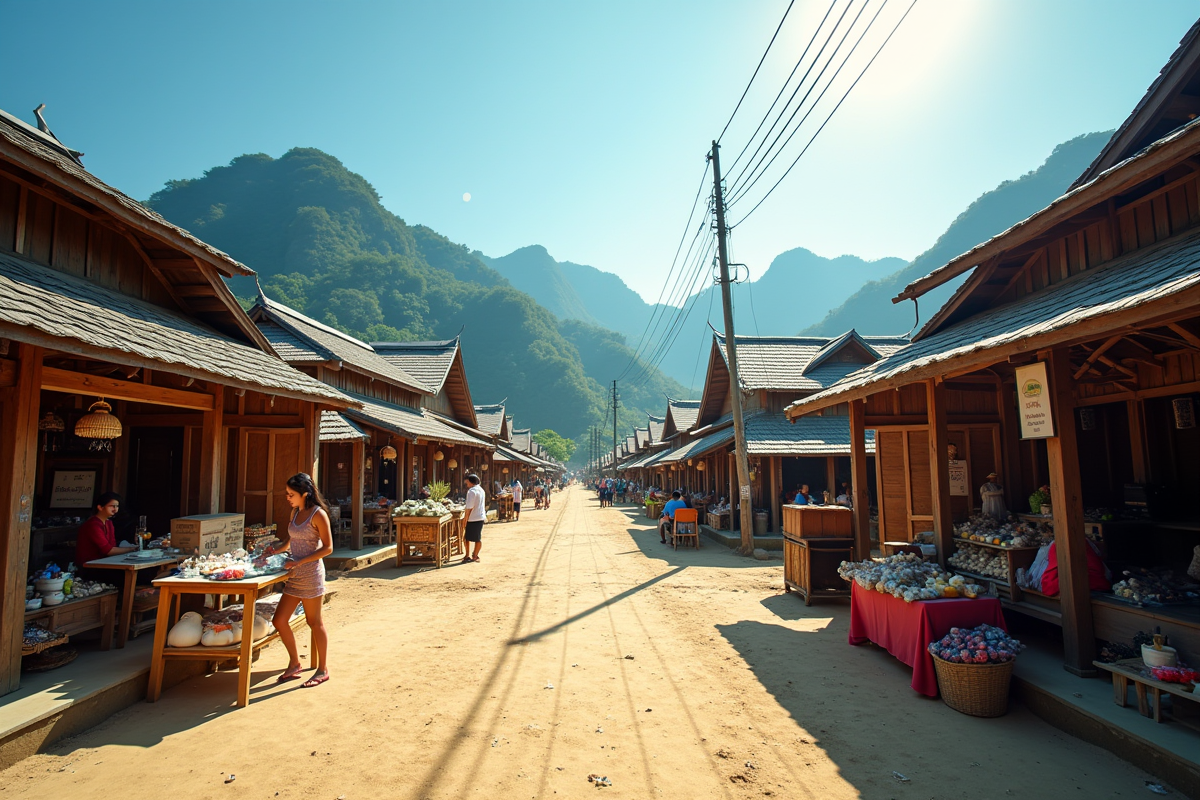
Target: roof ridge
(288, 311)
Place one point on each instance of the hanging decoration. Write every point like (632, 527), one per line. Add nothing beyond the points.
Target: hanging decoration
(483, 467)
(438, 456)
(49, 424)
(452, 464)
(99, 425)
(1087, 419)
(388, 453)
(700, 466)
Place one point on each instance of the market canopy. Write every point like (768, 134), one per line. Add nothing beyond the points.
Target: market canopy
(336, 428)
(46, 307)
(774, 435)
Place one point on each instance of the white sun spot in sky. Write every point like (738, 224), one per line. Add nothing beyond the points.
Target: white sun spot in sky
(466, 197)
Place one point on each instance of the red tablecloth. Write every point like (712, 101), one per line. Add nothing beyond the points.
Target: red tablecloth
(906, 629)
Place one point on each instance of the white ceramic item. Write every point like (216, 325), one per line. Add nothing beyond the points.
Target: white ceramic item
(52, 598)
(1167, 657)
(44, 585)
(33, 604)
(186, 632)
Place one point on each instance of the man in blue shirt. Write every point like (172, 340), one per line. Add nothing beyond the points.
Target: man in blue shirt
(668, 514)
(802, 497)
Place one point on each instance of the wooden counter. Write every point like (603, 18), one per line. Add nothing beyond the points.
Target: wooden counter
(818, 522)
(810, 566)
(424, 539)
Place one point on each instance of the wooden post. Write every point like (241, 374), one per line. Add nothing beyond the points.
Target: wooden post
(860, 498)
(310, 455)
(1137, 442)
(358, 474)
(19, 408)
(831, 476)
(776, 488)
(1066, 497)
(120, 463)
(212, 429)
(1010, 456)
(939, 468)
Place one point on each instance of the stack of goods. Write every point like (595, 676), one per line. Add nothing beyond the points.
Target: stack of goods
(1010, 532)
(907, 577)
(1182, 675)
(259, 536)
(52, 586)
(1155, 587)
(35, 639)
(222, 627)
(420, 508)
(983, 645)
(980, 561)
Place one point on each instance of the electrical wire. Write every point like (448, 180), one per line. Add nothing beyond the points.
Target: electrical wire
(831, 113)
(736, 179)
(782, 89)
(700, 350)
(756, 69)
(759, 168)
(687, 227)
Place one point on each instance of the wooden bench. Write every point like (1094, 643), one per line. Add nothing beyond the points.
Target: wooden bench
(1149, 691)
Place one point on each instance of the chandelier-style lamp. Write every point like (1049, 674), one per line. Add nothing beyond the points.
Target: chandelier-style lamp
(99, 425)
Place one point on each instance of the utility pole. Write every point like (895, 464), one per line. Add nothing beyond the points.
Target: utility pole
(735, 386)
(614, 404)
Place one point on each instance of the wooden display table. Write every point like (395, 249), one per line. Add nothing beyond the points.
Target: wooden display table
(718, 520)
(654, 509)
(810, 566)
(130, 568)
(458, 533)
(249, 589)
(76, 616)
(818, 522)
(1016, 557)
(424, 539)
(504, 508)
(1134, 670)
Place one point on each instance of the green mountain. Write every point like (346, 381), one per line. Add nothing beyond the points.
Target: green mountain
(322, 242)
(870, 310)
(767, 305)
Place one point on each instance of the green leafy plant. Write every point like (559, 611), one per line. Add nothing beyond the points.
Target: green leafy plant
(438, 490)
(1039, 498)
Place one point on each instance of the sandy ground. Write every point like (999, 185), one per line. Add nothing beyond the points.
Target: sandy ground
(578, 645)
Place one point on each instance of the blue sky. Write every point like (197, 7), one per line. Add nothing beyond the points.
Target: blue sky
(583, 126)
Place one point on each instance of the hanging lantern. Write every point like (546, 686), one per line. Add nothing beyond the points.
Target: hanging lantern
(438, 456)
(388, 453)
(1185, 413)
(700, 466)
(505, 470)
(52, 423)
(452, 464)
(99, 425)
(483, 467)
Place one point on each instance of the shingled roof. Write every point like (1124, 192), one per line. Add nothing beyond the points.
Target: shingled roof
(411, 422)
(782, 363)
(642, 437)
(491, 418)
(429, 362)
(1145, 279)
(24, 137)
(336, 428)
(51, 308)
(681, 417)
(774, 435)
(522, 440)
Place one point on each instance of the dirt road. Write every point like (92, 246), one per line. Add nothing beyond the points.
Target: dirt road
(578, 645)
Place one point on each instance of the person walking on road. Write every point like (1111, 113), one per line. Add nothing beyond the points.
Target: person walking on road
(476, 516)
(517, 489)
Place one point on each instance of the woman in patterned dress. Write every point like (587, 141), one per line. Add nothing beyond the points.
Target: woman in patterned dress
(309, 540)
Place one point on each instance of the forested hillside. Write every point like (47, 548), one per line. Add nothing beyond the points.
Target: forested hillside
(322, 243)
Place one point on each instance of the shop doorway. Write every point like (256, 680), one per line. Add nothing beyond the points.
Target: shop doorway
(155, 479)
(387, 478)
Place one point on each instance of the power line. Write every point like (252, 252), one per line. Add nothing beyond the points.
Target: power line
(687, 226)
(756, 69)
(831, 113)
(759, 169)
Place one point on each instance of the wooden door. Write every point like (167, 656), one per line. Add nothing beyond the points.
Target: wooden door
(268, 457)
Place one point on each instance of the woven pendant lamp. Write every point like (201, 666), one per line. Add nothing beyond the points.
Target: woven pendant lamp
(388, 453)
(99, 425)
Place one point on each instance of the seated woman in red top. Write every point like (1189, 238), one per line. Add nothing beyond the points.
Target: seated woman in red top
(97, 537)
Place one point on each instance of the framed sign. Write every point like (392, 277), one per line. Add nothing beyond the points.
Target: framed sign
(73, 488)
(1033, 402)
(958, 478)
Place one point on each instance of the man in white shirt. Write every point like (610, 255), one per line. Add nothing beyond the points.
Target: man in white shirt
(517, 491)
(476, 513)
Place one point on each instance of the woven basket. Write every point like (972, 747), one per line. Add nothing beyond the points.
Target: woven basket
(980, 690)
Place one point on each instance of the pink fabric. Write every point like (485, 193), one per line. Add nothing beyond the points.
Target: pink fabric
(906, 629)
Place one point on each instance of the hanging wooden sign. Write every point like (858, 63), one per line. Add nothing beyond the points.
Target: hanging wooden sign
(1033, 402)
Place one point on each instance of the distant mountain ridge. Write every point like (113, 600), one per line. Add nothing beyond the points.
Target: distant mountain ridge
(322, 243)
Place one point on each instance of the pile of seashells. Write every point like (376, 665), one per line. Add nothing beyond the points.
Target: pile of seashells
(1141, 585)
(980, 561)
(907, 577)
(1011, 532)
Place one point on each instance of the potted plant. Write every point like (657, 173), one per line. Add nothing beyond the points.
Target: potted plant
(1039, 501)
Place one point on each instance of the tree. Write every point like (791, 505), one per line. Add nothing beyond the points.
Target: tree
(559, 448)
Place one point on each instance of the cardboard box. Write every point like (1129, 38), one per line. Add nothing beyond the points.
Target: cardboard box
(208, 533)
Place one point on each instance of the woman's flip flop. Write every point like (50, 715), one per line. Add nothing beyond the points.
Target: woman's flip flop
(315, 680)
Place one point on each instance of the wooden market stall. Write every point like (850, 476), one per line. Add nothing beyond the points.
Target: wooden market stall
(101, 299)
(1069, 357)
